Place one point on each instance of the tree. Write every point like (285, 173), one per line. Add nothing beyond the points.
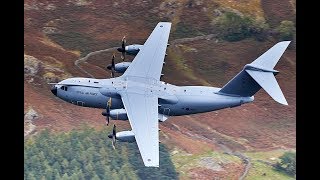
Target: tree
(286, 30)
(65, 176)
(31, 176)
(92, 158)
(234, 27)
(287, 163)
(95, 177)
(49, 173)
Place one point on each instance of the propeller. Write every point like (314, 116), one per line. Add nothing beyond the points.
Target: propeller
(122, 49)
(112, 65)
(107, 112)
(113, 136)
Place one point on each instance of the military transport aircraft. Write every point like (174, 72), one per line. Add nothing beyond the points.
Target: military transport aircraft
(139, 96)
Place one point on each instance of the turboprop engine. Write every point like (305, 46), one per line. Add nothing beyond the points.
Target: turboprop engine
(123, 136)
(118, 114)
(119, 67)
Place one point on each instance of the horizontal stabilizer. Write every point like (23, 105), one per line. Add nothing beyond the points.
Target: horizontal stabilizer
(269, 83)
(259, 74)
(270, 58)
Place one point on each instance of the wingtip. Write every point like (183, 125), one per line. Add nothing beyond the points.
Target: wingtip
(284, 43)
(165, 23)
(282, 101)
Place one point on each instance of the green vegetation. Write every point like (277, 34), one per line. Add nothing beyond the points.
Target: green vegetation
(287, 163)
(260, 170)
(185, 31)
(74, 41)
(184, 162)
(286, 30)
(263, 165)
(234, 27)
(88, 154)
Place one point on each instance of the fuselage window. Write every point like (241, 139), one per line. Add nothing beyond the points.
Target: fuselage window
(96, 82)
(62, 87)
(66, 88)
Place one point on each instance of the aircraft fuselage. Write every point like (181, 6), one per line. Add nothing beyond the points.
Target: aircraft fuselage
(173, 100)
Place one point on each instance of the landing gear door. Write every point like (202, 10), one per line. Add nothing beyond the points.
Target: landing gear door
(164, 115)
(166, 111)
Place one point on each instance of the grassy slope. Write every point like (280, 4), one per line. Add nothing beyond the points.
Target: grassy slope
(259, 167)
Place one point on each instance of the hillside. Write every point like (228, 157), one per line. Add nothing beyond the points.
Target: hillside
(59, 33)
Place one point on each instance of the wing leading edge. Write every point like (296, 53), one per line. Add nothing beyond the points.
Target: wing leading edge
(149, 61)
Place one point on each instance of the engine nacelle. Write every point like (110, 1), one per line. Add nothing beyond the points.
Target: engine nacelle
(125, 136)
(121, 67)
(118, 114)
(133, 49)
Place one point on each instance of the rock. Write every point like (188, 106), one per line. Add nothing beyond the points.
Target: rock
(31, 65)
(210, 163)
(50, 30)
(32, 6)
(28, 127)
(50, 7)
(80, 2)
(31, 115)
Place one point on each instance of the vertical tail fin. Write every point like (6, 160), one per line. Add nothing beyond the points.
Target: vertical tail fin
(259, 74)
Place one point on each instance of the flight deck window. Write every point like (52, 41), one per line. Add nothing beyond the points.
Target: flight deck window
(64, 88)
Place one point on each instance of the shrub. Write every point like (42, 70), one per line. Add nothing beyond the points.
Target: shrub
(286, 30)
(234, 27)
(287, 163)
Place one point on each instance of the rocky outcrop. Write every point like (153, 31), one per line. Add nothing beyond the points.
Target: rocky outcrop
(31, 65)
(29, 117)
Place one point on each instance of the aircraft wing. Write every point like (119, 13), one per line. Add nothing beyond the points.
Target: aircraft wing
(142, 111)
(149, 61)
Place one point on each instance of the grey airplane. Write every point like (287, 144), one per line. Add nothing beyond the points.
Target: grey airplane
(139, 96)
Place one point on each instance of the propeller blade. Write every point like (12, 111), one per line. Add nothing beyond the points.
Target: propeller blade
(112, 67)
(114, 132)
(108, 111)
(123, 55)
(112, 61)
(108, 120)
(123, 46)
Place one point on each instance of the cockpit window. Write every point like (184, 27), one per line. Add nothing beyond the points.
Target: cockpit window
(65, 88)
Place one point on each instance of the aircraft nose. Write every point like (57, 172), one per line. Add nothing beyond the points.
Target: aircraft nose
(54, 90)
